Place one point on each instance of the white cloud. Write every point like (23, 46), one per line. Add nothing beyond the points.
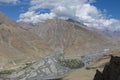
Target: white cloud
(80, 10)
(9, 1)
(34, 17)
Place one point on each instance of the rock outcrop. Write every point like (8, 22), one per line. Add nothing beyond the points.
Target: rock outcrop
(111, 70)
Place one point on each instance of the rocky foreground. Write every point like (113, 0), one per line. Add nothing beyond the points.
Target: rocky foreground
(111, 70)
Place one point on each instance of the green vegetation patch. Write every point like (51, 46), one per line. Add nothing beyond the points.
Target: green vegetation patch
(71, 63)
(27, 65)
(89, 68)
(6, 72)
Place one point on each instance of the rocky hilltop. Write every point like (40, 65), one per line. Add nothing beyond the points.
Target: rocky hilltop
(111, 71)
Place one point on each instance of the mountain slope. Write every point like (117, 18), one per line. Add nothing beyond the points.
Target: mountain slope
(73, 38)
(18, 45)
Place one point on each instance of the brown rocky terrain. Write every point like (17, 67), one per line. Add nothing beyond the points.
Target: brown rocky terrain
(18, 45)
(73, 38)
(25, 42)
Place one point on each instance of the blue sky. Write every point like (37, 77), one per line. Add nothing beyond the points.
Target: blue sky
(13, 11)
(111, 6)
(100, 14)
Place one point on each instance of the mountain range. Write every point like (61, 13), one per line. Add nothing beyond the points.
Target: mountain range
(22, 42)
(71, 37)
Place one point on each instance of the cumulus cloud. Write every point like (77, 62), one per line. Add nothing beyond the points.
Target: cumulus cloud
(80, 10)
(9, 1)
(34, 17)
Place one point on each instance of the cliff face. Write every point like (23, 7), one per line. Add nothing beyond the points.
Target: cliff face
(111, 71)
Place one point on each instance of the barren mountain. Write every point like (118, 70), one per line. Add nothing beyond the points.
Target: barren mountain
(25, 25)
(22, 42)
(73, 38)
(18, 45)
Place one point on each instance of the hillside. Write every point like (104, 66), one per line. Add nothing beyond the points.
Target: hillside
(72, 38)
(18, 46)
